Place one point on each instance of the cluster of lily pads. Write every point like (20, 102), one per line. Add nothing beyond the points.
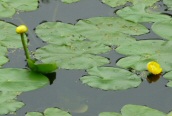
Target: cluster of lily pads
(80, 46)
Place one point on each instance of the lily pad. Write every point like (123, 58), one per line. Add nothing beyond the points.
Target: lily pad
(109, 30)
(133, 110)
(9, 38)
(109, 114)
(115, 3)
(9, 7)
(49, 112)
(69, 1)
(58, 33)
(139, 13)
(168, 3)
(8, 103)
(12, 79)
(3, 55)
(79, 55)
(169, 77)
(141, 52)
(107, 78)
(163, 29)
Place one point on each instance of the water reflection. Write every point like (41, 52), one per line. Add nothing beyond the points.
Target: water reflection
(153, 78)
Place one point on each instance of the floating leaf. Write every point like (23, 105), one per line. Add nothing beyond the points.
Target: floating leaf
(108, 78)
(141, 52)
(139, 13)
(21, 80)
(9, 7)
(115, 3)
(133, 110)
(136, 110)
(34, 114)
(8, 102)
(49, 112)
(109, 30)
(58, 33)
(79, 55)
(168, 3)
(9, 37)
(69, 1)
(169, 114)
(3, 52)
(169, 77)
(163, 29)
(109, 114)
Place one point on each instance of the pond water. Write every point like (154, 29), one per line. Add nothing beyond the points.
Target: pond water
(67, 92)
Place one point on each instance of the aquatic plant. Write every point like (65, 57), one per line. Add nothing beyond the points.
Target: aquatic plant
(42, 68)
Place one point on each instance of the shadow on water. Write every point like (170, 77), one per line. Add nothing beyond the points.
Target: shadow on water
(153, 78)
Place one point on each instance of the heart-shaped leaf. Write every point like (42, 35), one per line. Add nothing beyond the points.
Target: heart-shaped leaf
(109, 30)
(141, 52)
(8, 102)
(9, 7)
(108, 78)
(133, 110)
(21, 80)
(69, 1)
(115, 3)
(58, 33)
(169, 77)
(49, 112)
(139, 13)
(79, 55)
(163, 29)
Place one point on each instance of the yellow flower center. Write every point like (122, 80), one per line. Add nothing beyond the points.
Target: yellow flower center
(154, 68)
(21, 29)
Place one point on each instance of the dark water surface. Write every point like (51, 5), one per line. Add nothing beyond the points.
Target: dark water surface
(67, 92)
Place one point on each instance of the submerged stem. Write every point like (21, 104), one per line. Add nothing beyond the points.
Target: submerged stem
(25, 46)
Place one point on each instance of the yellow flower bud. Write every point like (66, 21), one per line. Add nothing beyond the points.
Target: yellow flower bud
(21, 29)
(154, 68)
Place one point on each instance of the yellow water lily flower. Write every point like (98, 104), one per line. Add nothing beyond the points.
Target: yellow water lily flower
(21, 29)
(154, 68)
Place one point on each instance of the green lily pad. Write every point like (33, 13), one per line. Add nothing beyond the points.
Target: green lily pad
(9, 7)
(139, 13)
(141, 52)
(169, 77)
(109, 114)
(133, 110)
(9, 38)
(8, 103)
(108, 78)
(115, 3)
(169, 114)
(168, 3)
(163, 29)
(49, 112)
(79, 55)
(109, 30)
(21, 80)
(69, 1)
(58, 33)
(3, 55)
